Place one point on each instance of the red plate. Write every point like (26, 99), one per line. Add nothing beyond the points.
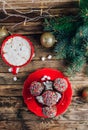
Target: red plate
(30, 100)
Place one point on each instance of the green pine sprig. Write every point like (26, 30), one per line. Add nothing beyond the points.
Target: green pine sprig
(71, 33)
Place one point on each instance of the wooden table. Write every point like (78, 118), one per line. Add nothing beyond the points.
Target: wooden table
(14, 114)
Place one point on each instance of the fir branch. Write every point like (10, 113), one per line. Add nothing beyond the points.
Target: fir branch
(83, 4)
(84, 15)
(85, 46)
(63, 25)
(76, 65)
(60, 49)
(71, 33)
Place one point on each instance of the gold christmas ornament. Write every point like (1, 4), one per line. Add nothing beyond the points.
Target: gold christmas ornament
(47, 39)
(3, 32)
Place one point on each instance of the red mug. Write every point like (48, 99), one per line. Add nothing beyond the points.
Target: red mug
(22, 46)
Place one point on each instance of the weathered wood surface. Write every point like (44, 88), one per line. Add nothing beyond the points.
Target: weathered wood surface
(24, 4)
(14, 114)
(13, 13)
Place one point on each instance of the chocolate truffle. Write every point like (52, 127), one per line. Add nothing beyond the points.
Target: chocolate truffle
(60, 84)
(49, 112)
(36, 88)
(49, 98)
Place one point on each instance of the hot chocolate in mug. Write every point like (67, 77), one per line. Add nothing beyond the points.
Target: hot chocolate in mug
(17, 51)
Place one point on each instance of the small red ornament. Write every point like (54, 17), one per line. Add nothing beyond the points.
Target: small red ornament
(85, 94)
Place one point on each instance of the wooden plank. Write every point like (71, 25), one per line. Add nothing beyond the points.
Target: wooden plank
(10, 102)
(27, 115)
(44, 0)
(35, 65)
(15, 89)
(18, 11)
(12, 108)
(36, 13)
(11, 90)
(47, 125)
(54, 125)
(34, 22)
(5, 77)
(13, 4)
(10, 125)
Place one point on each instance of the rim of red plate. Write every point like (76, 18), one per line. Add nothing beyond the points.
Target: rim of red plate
(24, 37)
(30, 101)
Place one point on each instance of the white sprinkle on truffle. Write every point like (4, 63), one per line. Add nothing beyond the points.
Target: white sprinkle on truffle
(48, 77)
(45, 76)
(43, 79)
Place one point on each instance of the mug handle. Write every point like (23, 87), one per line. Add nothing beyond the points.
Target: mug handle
(15, 70)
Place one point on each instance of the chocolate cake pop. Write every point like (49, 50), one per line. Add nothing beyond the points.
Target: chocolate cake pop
(60, 84)
(49, 98)
(36, 88)
(49, 112)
